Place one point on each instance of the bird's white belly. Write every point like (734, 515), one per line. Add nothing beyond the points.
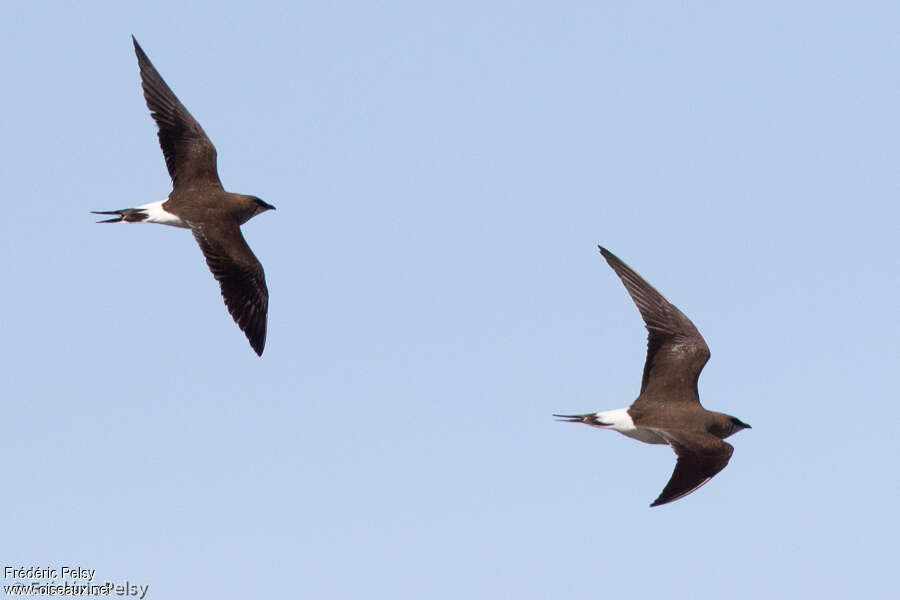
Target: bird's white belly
(619, 420)
(157, 214)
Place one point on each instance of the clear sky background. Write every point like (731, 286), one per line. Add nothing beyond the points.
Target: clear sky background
(443, 174)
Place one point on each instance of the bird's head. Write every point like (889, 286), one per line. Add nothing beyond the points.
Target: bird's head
(722, 425)
(246, 207)
(736, 425)
(260, 206)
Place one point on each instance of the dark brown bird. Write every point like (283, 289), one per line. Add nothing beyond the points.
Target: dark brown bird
(668, 410)
(200, 203)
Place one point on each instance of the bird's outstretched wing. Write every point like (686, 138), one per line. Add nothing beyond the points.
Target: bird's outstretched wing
(676, 352)
(700, 457)
(241, 277)
(190, 155)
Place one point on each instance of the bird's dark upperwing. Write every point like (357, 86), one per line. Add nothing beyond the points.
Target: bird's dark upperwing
(676, 352)
(240, 276)
(700, 457)
(190, 155)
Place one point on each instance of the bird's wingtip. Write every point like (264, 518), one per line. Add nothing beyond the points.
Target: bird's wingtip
(257, 344)
(661, 500)
(137, 47)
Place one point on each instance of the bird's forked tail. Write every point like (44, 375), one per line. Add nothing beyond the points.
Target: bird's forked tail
(125, 215)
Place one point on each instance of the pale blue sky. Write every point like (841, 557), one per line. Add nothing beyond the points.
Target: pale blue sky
(443, 175)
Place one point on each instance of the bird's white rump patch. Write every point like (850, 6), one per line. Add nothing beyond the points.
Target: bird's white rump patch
(619, 420)
(157, 214)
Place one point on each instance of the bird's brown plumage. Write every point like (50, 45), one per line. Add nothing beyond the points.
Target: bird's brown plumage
(240, 276)
(668, 407)
(199, 202)
(676, 352)
(189, 153)
(700, 456)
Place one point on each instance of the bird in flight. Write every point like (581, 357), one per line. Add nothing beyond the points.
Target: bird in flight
(199, 202)
(668, 410)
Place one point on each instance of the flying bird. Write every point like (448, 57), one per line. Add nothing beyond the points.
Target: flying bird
(199, 202)
(668, 410)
